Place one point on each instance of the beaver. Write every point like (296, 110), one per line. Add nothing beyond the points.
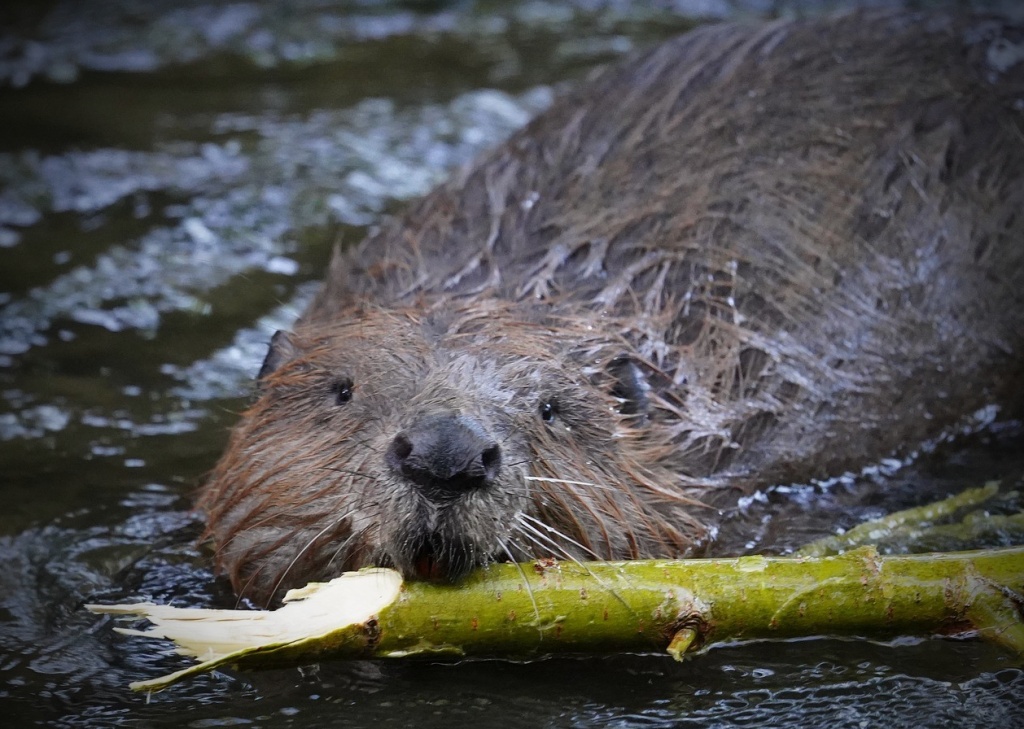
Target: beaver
(751, 255)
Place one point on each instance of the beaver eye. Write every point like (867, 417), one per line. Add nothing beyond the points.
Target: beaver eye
(341, 390)
(548, 410)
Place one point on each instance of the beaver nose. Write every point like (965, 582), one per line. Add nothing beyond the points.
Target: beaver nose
(445, 455)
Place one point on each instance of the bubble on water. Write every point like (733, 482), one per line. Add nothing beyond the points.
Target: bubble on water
(9, 238)
(282, 265)
(33, 422)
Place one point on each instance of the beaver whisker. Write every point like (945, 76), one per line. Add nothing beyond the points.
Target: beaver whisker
(241, 592)
(517, 464)
(548, 479)
(259, 558)
(272, 513)
(526, 582)
(546, 546)
(523, 519)
(341, 547)
(350, 472)
(566, 554)
(572, 513)
(365, 443)
(309, 543)
(528, 554)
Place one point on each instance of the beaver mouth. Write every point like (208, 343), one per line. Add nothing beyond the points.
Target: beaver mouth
(438, 559)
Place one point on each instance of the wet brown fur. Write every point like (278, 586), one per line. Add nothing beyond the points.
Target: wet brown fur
(807, 236)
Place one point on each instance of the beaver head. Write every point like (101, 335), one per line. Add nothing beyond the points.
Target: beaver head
(438, 439)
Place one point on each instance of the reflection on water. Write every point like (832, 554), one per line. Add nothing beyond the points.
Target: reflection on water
(173, 176)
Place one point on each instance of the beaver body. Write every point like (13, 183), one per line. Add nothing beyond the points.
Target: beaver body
(751, 255)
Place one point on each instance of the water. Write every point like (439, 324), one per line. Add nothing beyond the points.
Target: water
(173, 177)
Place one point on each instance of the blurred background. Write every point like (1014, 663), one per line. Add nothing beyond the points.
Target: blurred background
(173, 177)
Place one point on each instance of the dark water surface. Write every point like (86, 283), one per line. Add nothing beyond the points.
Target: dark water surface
(173, 176)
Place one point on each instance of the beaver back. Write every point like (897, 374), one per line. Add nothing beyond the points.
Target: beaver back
(749, 255)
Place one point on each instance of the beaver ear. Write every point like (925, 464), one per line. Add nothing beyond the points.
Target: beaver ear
(630, 386)
(282, 350)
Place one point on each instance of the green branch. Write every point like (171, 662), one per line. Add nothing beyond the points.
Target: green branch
(916, 526)
(550, 607)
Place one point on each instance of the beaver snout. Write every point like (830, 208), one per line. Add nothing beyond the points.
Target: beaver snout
(445, 455)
